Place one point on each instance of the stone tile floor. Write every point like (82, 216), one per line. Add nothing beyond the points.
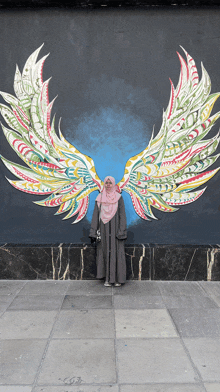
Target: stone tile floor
(79, 336)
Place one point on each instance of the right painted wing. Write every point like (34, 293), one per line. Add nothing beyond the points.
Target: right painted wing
(167, 172)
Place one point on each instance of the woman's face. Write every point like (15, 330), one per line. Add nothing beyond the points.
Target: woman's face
(108, 185)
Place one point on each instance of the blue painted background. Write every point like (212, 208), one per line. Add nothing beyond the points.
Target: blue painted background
(111, 134)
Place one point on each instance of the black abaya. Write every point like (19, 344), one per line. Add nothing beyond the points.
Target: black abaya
(110, 259)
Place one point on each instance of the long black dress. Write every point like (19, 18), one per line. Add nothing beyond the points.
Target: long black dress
(110, 259)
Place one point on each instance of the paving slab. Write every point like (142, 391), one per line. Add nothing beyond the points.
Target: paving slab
(85, 324)
(87, 302)
(180, 288)
(20, 360)
(88, 287)
(8, 287)
(216, 299)
(141, 288)
(211, 288)
(5, 301)
(36, 302)
(45, 287)
(205, 353)
(79, 361)
(144, 323)
(14, 388)
(162, 388)
(197, 322)
(26, 324)
(148, 360)
(191, 302)
(138, 302)
(149, 318)
(81, 388)
(213, 387)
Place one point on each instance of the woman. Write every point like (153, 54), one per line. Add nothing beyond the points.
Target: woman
(110, 211)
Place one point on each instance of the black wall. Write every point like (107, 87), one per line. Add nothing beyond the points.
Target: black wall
(110, 69)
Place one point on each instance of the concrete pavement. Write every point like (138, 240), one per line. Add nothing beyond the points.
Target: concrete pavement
(79, 336)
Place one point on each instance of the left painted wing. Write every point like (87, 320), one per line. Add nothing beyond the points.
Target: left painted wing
(54, 167)
(167, 172)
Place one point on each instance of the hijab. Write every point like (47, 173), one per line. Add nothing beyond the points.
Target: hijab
(108, 201)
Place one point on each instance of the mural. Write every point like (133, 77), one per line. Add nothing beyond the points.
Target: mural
(164, 175)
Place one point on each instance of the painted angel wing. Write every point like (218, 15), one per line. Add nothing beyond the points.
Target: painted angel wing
(167, 172)
(54, 166)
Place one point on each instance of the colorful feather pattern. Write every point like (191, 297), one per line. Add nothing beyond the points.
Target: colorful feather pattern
(164, 175)
(54, 166)
(172, 166)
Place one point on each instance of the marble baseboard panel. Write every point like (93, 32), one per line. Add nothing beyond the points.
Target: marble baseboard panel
(77, 262)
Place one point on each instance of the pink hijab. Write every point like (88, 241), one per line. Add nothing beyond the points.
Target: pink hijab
(108, 201)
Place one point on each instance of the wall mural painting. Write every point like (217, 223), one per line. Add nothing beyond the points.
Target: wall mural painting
(164, 175)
